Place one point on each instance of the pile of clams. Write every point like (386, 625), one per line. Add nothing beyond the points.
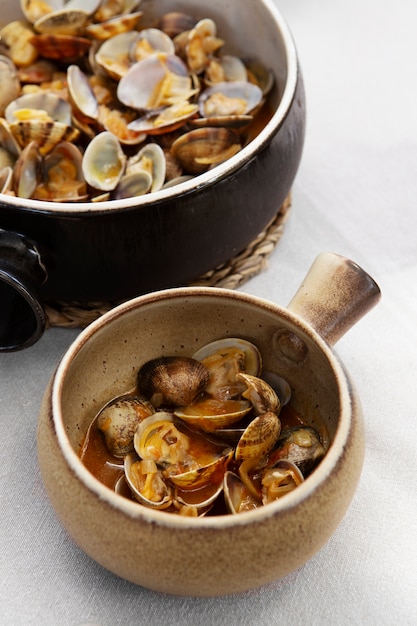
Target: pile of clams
(95, 106)
(203, 435)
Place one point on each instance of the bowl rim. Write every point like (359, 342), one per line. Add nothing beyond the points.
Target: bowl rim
(208, 178)
(161, 518)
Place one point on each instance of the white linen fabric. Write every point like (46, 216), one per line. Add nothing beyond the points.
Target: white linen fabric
(355, 194)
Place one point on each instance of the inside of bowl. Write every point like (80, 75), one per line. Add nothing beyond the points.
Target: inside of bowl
(104, 362)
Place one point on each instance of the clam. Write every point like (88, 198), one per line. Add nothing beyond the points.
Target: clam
(202, 42)
(9, 81)
(6, 159)
(62, 178)
(35, 9)
(260, 394)
(147, 483)
(260, 75)
(6, 179)
(189, 459)
(113, 56)
(59, 47)
(7, 139)
(151, 41)
(151, 159)
(111, 8)
(202, 148)
(229, 102)
(212, 414)
(114, 26)
(104, 162)
(300, 445)
(225, 69)
(26, 173)
(42, 117)
(172, 380)
(134, 184)
(81, 94)
(259, 437)
(66, 21)
(40, 104)
(17, 36)
(166, 120)
(237, 496)
(279, 480)
(118, 421)
(225, 358)
(154, 82)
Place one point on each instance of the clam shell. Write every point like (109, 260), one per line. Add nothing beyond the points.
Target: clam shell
(34, 9)
(64, 47)
(260, 394)
(114, 54)
(154, 82)
(279, 480)
(300, 445)
(229, 98)
(114, 26)
(152, 159)
(172, 380)
(201, 148)
(104, 162)
(47, 102)
(63, 22)
(6, 179)
(224, 359)
(135, 184)
(151, 41)
(259, 437)
(237, 497)
(118, 421)
(161, 494)
(81, 94)
(26, 173)
(201, 476)
(9, 81)
(225, 69)
(45, 134)
(211, 414)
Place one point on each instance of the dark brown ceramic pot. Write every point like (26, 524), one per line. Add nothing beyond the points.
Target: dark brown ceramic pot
(118, 249)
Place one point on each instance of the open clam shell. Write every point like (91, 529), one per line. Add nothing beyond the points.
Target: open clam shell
(211, 414)
(147, 483)
(104, 162)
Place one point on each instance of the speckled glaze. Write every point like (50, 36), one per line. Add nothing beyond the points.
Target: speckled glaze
(121, 249)
(230, 553)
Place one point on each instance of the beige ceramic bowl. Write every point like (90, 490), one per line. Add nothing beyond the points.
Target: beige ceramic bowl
(229, 553)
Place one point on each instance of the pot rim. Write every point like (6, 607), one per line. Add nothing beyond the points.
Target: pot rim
(160, 518)
(202, 180)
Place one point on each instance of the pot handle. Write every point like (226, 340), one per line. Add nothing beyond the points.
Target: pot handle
(334, 295)
(22, 316)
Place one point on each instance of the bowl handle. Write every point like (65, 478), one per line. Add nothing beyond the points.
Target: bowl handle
(22, 316)
(334, 295)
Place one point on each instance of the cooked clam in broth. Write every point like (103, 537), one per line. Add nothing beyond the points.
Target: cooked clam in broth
(205, 434)
(103, 77)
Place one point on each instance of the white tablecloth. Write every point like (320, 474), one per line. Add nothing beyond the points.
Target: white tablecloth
(355, 194)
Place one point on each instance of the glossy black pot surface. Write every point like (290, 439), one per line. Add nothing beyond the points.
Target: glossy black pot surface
(116, 250)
